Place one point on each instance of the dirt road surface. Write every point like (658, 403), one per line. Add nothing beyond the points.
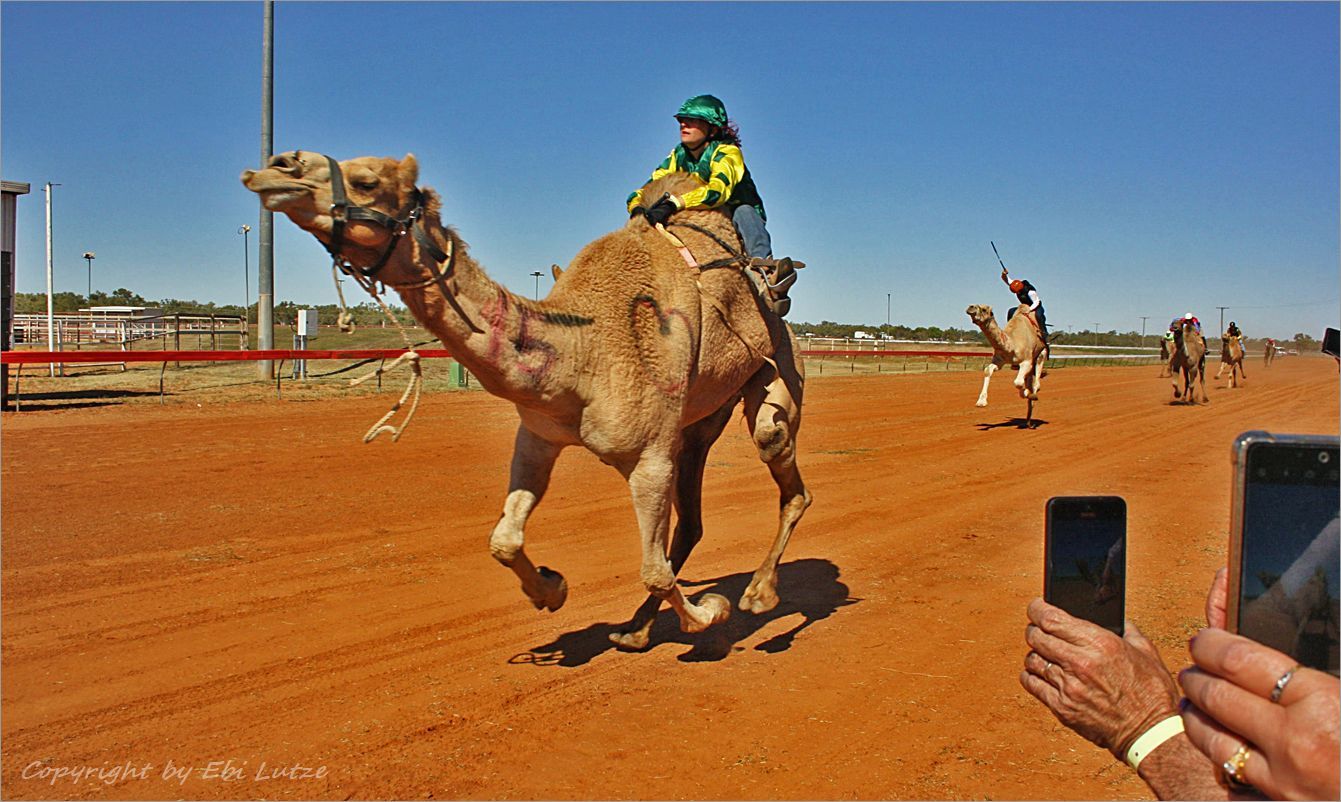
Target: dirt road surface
(243, 601)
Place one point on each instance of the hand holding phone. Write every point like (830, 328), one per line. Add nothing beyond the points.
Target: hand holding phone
(1285, 545)
(1085, 558)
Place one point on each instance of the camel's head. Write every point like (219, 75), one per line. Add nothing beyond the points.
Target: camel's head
(298, 184)
(981, 314)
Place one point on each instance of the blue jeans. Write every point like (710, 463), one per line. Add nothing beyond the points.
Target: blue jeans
(750, 226)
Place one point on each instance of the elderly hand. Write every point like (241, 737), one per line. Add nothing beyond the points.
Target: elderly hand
(1109, 689)
(1293, 745)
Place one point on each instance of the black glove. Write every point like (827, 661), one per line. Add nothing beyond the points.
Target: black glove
(661, 211)
(637, 211)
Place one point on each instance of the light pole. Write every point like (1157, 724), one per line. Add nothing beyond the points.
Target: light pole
(1096, 335)
(887, 308)
(1222, 316)
(246, 279)
(51, 306)
(1144, 318)
(537, 275)
(89, 256)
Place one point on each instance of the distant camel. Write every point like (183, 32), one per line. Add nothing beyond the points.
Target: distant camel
(1020, 345)
(1167, 348)
(1189, 360)
(1269, 352)
(1231, 356)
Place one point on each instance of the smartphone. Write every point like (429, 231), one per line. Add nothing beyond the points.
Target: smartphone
(1284, 558)
(1085, 558)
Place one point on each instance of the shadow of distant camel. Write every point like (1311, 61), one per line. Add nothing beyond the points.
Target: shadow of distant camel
(1018, 423)
(808, 588)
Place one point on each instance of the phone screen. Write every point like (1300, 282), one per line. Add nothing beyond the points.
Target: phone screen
(1085, 564)
(1289, 556)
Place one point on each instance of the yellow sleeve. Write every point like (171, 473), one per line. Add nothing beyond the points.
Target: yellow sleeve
(728, 168)
(667, 166)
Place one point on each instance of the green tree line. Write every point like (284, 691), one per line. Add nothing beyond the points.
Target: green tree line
(369, 314)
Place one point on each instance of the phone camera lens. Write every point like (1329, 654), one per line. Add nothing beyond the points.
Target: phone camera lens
(1324, 457)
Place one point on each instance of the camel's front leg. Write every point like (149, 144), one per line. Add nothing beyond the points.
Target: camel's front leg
(987, 372)
(651, 482)
(532, 461)
(1022, 377)
(697, 440)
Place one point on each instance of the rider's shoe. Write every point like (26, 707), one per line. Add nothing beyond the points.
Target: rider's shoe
(775, 277)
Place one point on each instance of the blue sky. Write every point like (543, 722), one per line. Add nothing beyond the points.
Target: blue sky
(1130, 159)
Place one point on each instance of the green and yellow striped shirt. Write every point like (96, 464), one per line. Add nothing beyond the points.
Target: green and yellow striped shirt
(727, 180)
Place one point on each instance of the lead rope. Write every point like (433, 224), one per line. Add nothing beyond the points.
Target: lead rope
(416, 371)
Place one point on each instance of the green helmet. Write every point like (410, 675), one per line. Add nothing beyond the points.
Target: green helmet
(704, 107)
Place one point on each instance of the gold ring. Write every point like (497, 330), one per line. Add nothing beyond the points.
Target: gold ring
(1233, 769)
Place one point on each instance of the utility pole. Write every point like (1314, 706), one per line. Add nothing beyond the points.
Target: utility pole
(1096, 335)
(1222, 316)
(265, 235)
(1144, 318)
(887, 295)
(51, 303)
(537, 275)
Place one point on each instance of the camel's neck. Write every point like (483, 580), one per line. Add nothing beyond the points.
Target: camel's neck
(995, 336)
(502, 339)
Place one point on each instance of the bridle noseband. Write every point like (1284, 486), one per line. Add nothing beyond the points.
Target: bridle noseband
(343, 211)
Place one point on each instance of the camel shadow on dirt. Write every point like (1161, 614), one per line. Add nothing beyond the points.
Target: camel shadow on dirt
(1017, 423)
(808, 588)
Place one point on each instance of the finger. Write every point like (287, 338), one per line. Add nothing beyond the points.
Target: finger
(1038, 665)
(1041, 690)
(1059, 624)
(1244, 662)
(1217, 598)
(1051, 648)
(1219, 745)
(1233, 707)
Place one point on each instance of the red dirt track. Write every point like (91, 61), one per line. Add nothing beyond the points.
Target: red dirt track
(247, 582)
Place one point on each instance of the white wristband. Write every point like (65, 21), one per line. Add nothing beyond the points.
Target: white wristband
(1152, 739)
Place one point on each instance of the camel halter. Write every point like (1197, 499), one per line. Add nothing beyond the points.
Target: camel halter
(445, 262)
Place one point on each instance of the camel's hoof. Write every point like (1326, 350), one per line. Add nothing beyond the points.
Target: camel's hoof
(554, 590)
(712, 609)
(632, 641)
(758, 599)
(980, 404)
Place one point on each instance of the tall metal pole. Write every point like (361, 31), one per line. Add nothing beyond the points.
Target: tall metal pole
(1144, 318)
(1096, 333)
(265, 270)
(246, 286)
(537, 275)
(887, 295)
(51, 304)
(1222, 316)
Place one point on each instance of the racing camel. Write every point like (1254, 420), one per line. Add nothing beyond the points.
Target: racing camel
(640, 354)
(1020, 345)
(1231, 356)
(1188, 363)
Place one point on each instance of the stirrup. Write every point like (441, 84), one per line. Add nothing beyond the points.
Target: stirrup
(772, 279)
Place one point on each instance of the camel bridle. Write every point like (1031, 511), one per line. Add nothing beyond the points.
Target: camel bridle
(342, 211)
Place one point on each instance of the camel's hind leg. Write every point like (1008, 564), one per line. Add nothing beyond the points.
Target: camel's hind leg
(773, 412)
(698, 440)
(532, 461)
